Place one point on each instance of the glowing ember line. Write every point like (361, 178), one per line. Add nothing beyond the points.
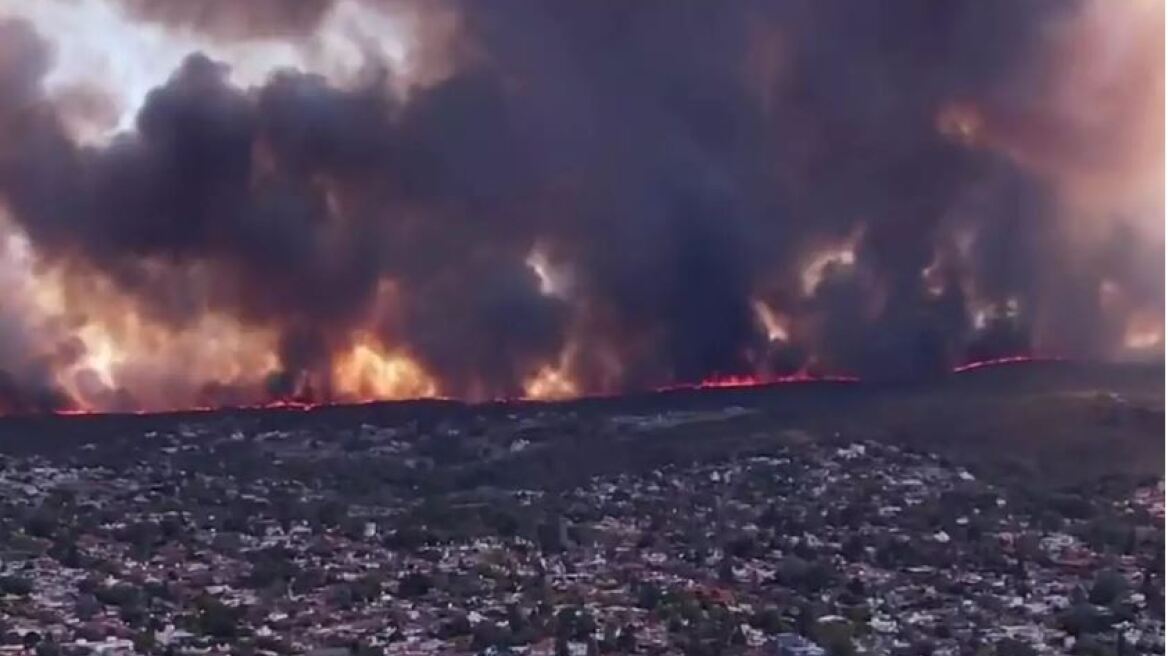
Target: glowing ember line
(733, 382)
(1012, 359)
(281, 404)
(715, 382)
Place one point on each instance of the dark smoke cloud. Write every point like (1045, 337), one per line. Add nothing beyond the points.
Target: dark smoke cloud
(26, 382)
(485, 342)
(679, 159)
(686, 206)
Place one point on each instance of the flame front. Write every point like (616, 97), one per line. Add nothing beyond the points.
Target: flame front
(367, 372)
(351, 200)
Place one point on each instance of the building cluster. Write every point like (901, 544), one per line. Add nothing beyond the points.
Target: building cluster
(408, 539)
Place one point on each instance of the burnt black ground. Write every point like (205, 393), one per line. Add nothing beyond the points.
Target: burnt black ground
(1057, 423)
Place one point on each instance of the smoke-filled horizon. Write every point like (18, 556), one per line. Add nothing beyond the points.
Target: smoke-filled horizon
(220, 202)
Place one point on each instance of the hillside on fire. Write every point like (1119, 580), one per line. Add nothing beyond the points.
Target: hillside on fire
(216, 203)
(582, 327)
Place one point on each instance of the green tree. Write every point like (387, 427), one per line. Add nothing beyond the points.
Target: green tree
(1082, 619)
(1108, 586)
(144, 642)
(414, 584)
(217, 619)
(16, 585)
(626, 640)
(1012, 647)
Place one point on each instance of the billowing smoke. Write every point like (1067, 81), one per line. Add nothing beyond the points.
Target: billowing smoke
(580, 197)
(231, 19)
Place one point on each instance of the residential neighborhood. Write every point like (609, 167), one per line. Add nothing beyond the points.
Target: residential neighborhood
(218, 537)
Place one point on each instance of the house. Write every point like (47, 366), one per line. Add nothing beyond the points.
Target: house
(793, 644)
(330, 651)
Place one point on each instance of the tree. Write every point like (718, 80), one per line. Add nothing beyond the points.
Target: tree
(726, 571)
(1107, 587)
(738, 637)
(341, 596)
(132, 614)
(1012, 647)
(608, 642)
(458, 625)
(118, 594)
(845, 648)
(743, 546)
(516, 619)
(552, 535)
(626, 640)
(852, 548)
(144, 642)
(65, 551)
(15, 585)
(835, 636)
(366, 649)
(1121, 646)
(332, 513)
(504, 523)
(1153, 594)
(1091, 646)
(806, 620)
(42, 523)
(414, 584)
(487, 634)
(648, 596)
(216, 618)
(366, 589)
(1082, 619)
(86, 606)
(768, 620)
(308, 579)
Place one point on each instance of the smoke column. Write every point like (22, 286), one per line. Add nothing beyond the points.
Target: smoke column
(222, 202)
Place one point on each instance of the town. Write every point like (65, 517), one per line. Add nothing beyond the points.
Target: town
(557, 531)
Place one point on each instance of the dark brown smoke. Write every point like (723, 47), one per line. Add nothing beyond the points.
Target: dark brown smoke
(677, 161)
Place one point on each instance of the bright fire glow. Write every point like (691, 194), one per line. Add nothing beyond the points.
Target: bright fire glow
(1144, 339)
(822, 261)
(369, 372)
(124, 351)
(933, 277)
(774, 323)
(748, 380)
(1095, 134)
(995, 362)
(1145, 332)
(960, 122)
(984, 312)
(102, 355)
(554, 280)
(550, 383)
